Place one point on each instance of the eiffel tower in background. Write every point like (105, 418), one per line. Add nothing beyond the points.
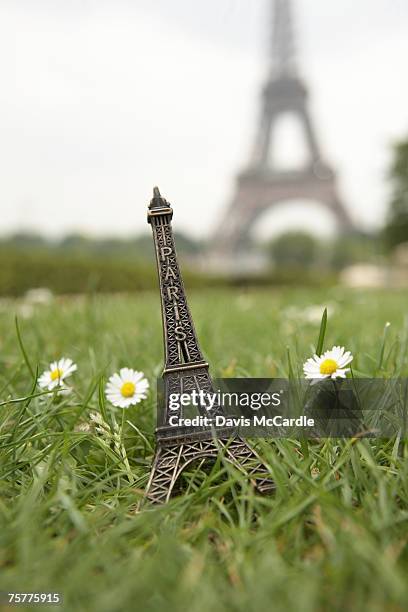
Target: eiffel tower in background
(261, 185)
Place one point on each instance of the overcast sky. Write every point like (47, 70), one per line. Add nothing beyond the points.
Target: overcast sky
(102, 99)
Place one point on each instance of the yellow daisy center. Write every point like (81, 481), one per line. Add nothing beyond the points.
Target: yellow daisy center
(328, 366)
(128, 389)
(57, 373)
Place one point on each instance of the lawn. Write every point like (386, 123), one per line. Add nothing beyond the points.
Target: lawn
(332, 537)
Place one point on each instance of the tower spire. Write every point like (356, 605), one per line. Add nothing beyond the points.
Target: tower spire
(282, 43)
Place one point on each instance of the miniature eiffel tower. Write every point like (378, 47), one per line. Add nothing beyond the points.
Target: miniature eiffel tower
(185, 370)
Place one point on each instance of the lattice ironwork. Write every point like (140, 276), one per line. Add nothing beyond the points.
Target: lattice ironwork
(171, 460)
(185, 370)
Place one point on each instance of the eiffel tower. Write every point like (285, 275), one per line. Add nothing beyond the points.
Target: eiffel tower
(185, 370)
(261, 185)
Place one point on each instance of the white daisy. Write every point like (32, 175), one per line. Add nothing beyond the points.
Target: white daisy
(55, 376)
(127, 388)
(332, 364)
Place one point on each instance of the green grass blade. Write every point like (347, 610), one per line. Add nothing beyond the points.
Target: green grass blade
(322, 333)
(23, 351)
(383, 344)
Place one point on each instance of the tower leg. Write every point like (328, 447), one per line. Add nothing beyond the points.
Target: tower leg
(247, 460)
(163, 474)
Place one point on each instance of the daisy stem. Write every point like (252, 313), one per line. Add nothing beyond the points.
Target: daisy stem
(121, 448)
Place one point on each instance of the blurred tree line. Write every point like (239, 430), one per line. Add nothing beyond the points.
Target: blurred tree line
(138, 247)
(79, 264)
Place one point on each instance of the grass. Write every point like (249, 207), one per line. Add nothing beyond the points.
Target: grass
(334, 535)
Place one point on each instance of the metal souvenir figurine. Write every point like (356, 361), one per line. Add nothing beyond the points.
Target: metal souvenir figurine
(186, 370)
